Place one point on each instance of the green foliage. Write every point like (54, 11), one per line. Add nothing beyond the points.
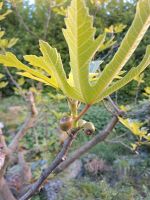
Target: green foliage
(85, 189)
(5, 44)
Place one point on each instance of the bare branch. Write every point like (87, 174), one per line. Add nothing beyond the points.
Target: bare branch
(20, 18)
(116, 110)
(4, 154)
(119, 142)
(47, 21)
(5, 193)
(60, 157)
(29, 122)
(15, 83)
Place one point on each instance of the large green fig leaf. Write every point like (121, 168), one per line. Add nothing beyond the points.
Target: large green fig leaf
(79, 34)
(83, 85)
(133, 37)
(10, 60)
(53, 60)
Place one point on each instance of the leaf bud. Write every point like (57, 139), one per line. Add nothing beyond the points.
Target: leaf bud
(81, 123)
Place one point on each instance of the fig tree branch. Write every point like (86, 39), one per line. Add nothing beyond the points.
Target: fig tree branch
(59, 158)
(47, 21)
(15, 83)
(20, 18)
(29, 123)
(58, 166)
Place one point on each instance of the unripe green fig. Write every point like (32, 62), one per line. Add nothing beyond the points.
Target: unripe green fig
(89, 128)
(66, 123)
(81, 123)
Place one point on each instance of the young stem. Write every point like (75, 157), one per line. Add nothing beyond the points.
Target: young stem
(83, 112)
(73, 105)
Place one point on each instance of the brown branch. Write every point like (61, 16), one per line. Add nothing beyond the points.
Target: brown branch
(58, 166)
(118, 111)
(4, 153)
(20, 18)
(119, 142)
(29, 123)
(8, 151)
(60, 157)
(47, 22)
(15, 83)
(5, 193)
(87, 146)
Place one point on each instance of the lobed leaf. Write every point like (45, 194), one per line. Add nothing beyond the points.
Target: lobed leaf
(10, 60)
(133, 37)
(53, 60)
(136, 71)
(79, 35)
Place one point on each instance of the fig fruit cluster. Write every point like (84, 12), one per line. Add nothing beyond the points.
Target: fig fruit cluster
(88, 127)
(66, 123)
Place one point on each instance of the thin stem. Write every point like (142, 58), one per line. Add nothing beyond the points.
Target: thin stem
(137, 93)
(21, 20)
(15, 83)
(73, 105)
(59, 158)
(83, 112)
(48, 17)
(116, 108)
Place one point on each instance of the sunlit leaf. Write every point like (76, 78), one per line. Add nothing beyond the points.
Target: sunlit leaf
(1, 76)
(52, 58)
(2, 33)
(12, 42)
(83, 85)
(10, 60)
(134, 127)
(132, 39)
(2, 16)
(135, 71)
(79, 34)
(107, 45)
(3, 84)
(147, 90)
(1, 5)
(119, 28)
(21, 81)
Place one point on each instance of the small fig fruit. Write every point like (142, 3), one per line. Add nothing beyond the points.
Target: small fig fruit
(89, 128)
(66, 123)
(81, 123)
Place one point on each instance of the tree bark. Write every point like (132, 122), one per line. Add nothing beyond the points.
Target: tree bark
(57, 165)
(5, 193)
